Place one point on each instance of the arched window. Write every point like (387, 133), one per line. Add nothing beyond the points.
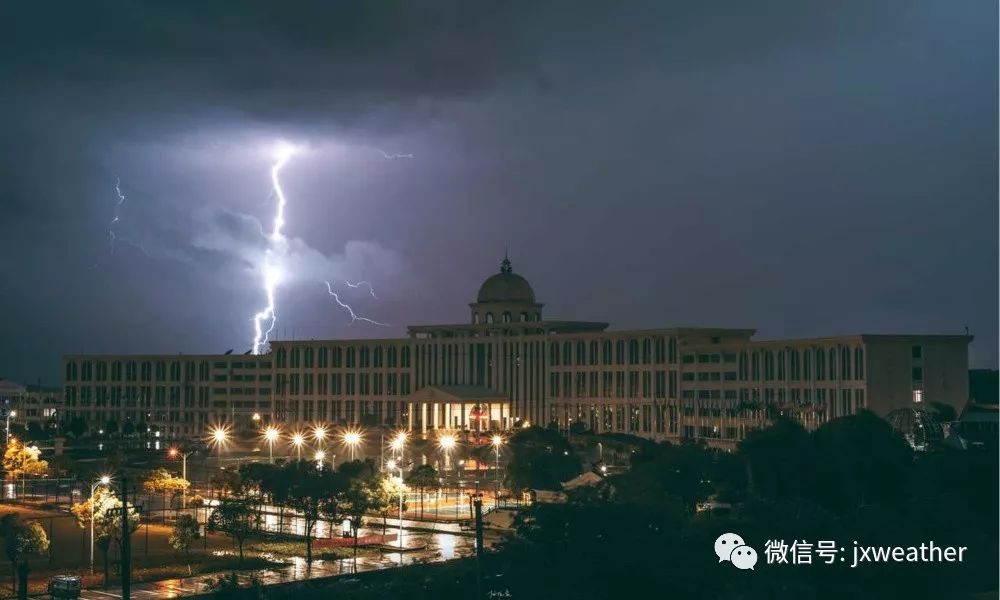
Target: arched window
(475, 318)
(524, 317)
(391, 357)
(606, 352)
(538, 316)
(554, 353)
(404, 358)
(567, 353)
(489, 317)
(505, 317)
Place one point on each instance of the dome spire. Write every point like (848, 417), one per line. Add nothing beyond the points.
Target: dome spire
(505, 265)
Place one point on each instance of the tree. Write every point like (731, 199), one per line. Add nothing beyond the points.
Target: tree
(385, 495)
(353, 503)
(236, 517)
(160, 481)
(22, 461)
(111, 428)
(312, 492)
(184, 534)
(423, 477)
(21, 540)
(104, 509)
(76, 427)
(540, 459)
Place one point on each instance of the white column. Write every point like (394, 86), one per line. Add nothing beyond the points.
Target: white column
(409, 416)
(423, 417)
(463, 418)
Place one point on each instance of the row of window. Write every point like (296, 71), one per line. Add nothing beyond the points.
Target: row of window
(657, 350)
(148, 370)
(820, 364)
(340, 357)
(613, 384)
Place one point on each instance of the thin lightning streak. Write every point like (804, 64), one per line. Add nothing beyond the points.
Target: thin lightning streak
(116, 215)
(371, 290)
(272, 273)
(388, 156)
(350, 311)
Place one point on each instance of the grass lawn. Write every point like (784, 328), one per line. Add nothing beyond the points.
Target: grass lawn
(282, 549)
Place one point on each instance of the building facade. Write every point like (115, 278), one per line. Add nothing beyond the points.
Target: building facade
(509, 365)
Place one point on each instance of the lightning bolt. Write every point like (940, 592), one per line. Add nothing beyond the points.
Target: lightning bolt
(350, 310)
(388, 156)
(116, 215)
(371, 290)
(277, 242)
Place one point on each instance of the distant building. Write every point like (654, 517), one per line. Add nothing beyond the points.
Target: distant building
(28, 404)
(508, 365)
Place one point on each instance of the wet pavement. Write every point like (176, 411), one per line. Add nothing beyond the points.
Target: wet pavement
(431, 547)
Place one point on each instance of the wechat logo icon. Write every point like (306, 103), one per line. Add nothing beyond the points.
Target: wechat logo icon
(731, 547)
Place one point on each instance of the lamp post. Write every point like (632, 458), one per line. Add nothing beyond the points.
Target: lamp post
(297, 440)
(319, 434)
(11, 413)
(220, 434)
(447, 443)
(174, 453)
(497, 441)
(319, 456)
(351, 440)
(105, 480)
(398, 443)
(271, 435)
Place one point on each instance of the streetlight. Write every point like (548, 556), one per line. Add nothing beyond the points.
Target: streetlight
(496, 441)
(319, 456)
(271, 435)
(352, 438)
(446, 442)
(219, 435)
(319, 434)
(174, 453)
(297, 440)
(402, 489)
(11, 413)
(104, 480)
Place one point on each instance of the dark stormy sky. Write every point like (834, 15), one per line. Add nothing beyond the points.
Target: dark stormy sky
(805, 168)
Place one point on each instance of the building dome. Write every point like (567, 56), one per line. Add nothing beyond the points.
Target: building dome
(918, 426)
(506, 286)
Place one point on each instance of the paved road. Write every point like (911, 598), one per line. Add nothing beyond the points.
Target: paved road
(439, 547)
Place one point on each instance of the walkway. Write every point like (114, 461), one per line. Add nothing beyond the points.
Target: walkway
(439, 547)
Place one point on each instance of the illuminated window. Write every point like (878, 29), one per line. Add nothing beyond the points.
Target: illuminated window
(918, 396)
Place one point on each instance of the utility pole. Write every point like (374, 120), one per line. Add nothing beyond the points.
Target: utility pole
(126, 562)
(477, 502)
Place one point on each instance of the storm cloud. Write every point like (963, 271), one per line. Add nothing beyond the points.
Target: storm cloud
(802, 168)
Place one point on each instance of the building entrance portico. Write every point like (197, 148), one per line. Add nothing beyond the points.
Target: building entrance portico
(458, 408)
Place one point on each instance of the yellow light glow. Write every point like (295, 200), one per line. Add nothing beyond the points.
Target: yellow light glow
(320, 455)
(298, 439)
(219, 434)
(496, 441)
(446, 441)
(399, 440)
(319, 432)
(352, 437)
(105, 479)
(271, 434)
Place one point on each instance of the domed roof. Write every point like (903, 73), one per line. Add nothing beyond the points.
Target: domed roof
(506, 286)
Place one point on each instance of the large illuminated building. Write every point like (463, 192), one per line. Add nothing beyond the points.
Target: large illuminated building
(509, 365)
